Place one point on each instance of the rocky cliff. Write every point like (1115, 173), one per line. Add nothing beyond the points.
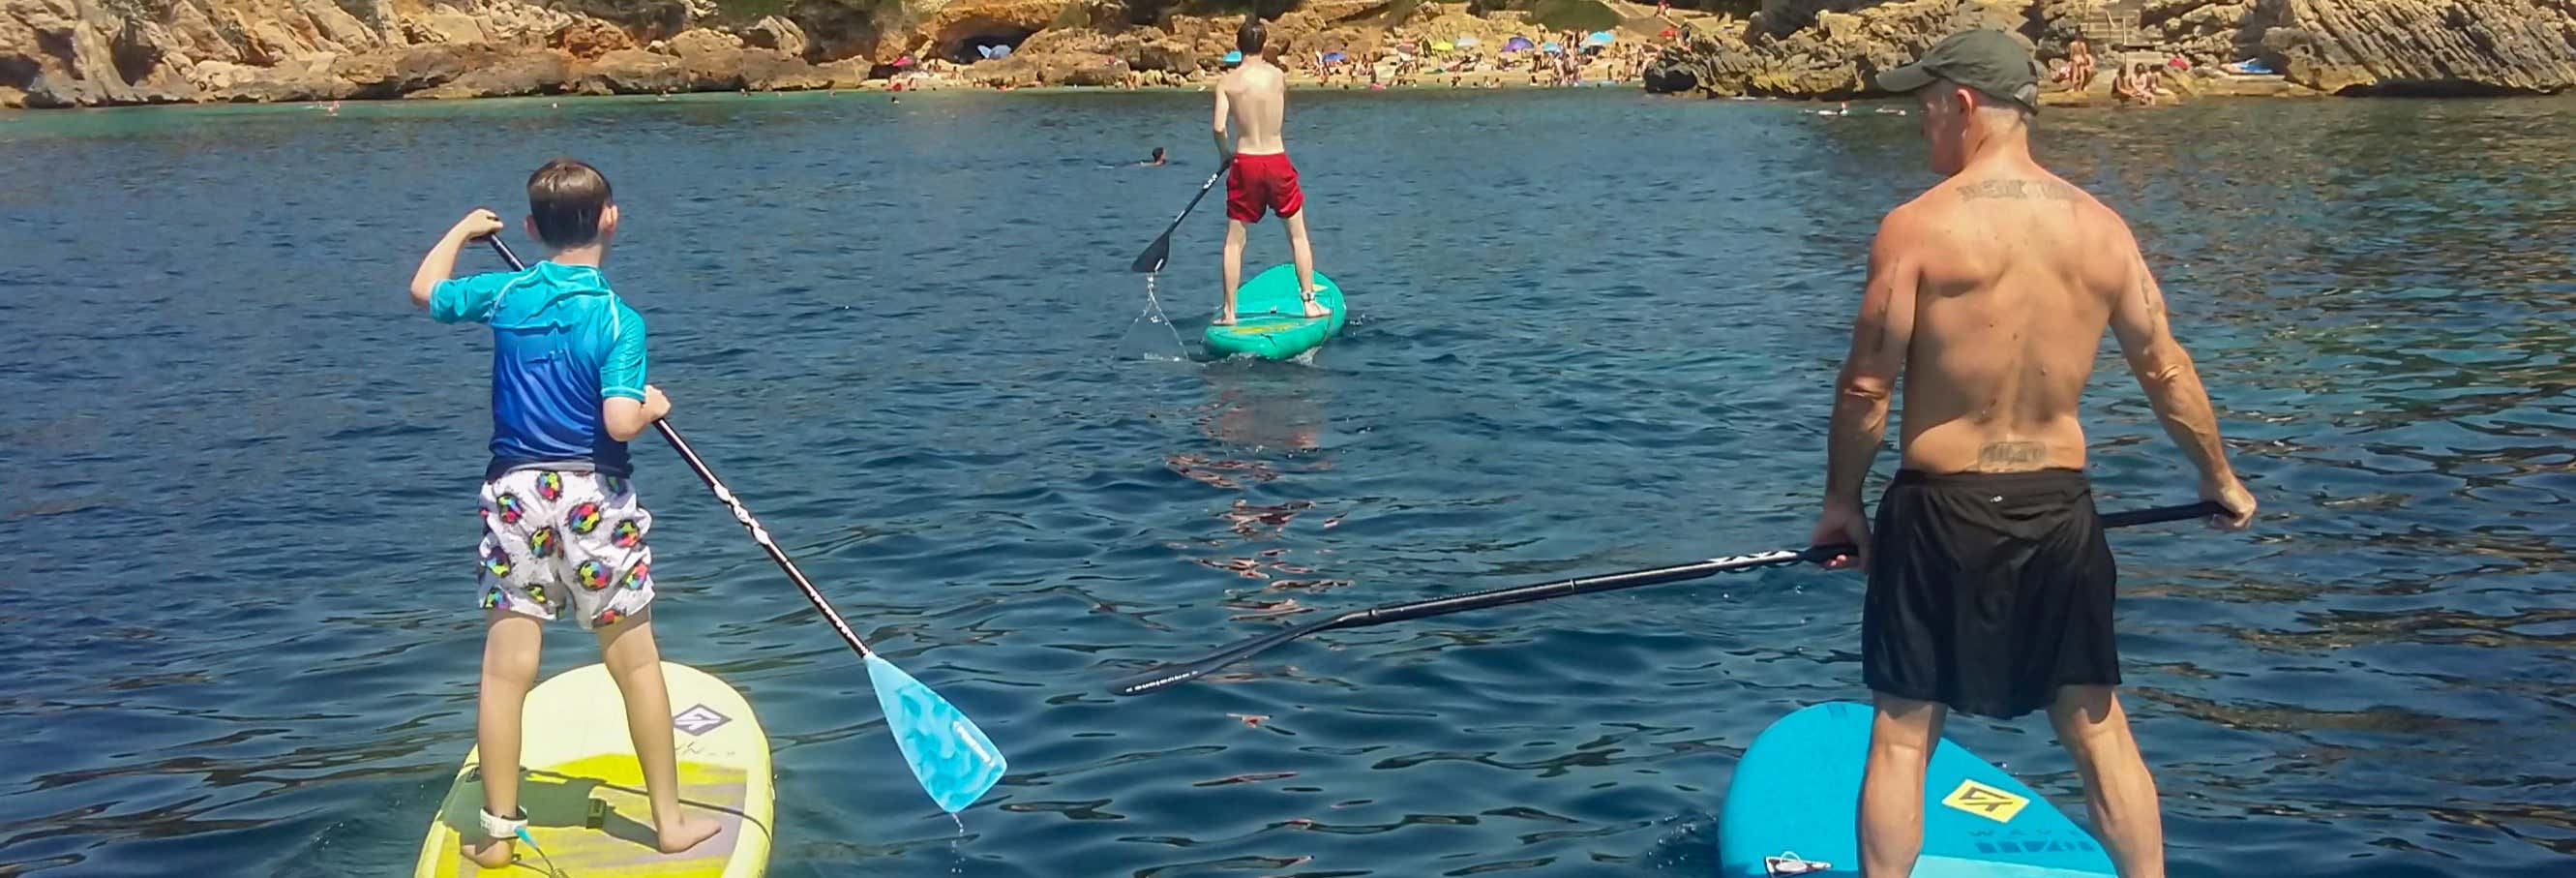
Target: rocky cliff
(2426, 46)
(95, 52)
(1829, 48)
(58, 53)
(65, 53)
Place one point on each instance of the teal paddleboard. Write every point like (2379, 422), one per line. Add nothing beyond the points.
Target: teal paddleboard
(1270, 319)
(1794, 808)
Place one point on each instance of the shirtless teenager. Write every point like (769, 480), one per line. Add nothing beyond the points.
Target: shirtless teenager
(1254, 98)
(1990, 583)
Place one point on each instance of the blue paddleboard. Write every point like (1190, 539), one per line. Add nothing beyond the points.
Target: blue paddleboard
(1270, 319)
(1794, 808)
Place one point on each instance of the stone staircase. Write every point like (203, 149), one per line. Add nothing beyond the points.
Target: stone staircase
(2113, 25)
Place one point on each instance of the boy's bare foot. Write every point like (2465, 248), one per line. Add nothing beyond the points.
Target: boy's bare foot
(491, 853)
(687, 834)
(1315, 308)
(1225, 318)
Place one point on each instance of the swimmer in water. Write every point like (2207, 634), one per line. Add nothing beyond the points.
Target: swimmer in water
(1156, 161)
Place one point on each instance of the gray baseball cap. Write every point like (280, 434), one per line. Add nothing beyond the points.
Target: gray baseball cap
(1989, 61)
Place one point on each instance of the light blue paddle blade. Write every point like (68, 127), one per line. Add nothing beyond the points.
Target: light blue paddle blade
(953, 760)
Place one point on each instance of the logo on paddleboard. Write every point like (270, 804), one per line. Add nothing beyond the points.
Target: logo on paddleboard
(699, 719)
(1985, 801)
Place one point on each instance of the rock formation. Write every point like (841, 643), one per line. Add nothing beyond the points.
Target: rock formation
(2427, 47)
(59, 53)
(1827, 48)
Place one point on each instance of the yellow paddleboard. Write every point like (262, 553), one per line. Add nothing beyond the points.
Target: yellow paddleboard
(576, 752)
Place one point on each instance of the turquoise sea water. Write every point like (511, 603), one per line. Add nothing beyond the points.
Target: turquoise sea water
(1593, 332)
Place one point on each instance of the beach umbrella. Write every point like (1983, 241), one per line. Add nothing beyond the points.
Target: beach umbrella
(1234, 57)
(1443, 46)
(1518, 44)
(1551, 47)
(1598, 38)
(1669, 32)
(1335, 57)
(905, 61)
(1468, 42)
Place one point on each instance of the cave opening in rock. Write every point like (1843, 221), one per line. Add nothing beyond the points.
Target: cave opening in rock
(988, 44)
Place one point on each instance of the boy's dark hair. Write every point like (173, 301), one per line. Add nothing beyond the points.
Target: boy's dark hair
(565, 198)
(1248, 40)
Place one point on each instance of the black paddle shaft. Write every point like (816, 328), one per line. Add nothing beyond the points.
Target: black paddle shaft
(741, 513)
(1398, 612)
(1159, 252)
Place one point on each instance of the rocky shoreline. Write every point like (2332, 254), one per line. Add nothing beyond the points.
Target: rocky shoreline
(89, 53)
(92, 53)
(1830, 48)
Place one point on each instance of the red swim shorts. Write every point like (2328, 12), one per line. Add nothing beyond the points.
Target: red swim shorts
(1258, 181)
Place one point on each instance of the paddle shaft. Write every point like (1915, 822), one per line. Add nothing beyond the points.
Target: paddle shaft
(741, 513)
(1152, 259)
(1398, 612)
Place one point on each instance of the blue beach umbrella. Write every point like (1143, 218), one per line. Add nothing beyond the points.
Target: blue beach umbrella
(1551, 47)
(1335, 57)
(1518, 44)
(1598, 38)
(1234, 57)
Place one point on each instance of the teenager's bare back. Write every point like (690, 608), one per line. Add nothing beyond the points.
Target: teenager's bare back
(1257, 96)
(2018, 273)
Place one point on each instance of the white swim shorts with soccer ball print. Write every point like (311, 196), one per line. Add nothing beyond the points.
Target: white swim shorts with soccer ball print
(556, 540)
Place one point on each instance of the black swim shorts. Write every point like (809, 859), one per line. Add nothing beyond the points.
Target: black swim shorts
(1988, 591)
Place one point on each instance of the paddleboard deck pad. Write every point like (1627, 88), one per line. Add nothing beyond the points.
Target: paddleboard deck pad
(1270, 319)
(584, 792)
(1794, 807)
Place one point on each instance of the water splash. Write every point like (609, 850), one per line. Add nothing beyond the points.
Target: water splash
(1154, 311)
(957, 847)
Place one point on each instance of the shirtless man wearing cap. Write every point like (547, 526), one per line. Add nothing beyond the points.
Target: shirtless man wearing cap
(1990, 583)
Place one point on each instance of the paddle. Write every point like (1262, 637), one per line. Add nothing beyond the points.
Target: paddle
(1152, 259)
(948, 754)
(1398, 612)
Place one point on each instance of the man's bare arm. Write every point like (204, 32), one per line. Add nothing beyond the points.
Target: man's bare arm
(1224, 150)
(2165, 372)
(1880, 337)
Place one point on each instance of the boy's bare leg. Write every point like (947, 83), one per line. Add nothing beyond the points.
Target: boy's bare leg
(2117, 788)
(511, 643)
(636, 662)
(1303, 254)
(1233, 269)
(1901, 739)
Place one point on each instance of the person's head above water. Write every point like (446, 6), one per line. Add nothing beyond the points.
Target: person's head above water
(569, 205)
(1248, 39)
(1158, 153)
(1978, 87)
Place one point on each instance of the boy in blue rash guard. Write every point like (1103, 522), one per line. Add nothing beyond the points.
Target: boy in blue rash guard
(562, 529)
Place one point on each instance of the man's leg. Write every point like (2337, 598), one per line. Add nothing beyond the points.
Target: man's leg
(2117, 788)
(635, 662)
(511, 643)
(1233, 269)
(1303, 254)
(1901, 739)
